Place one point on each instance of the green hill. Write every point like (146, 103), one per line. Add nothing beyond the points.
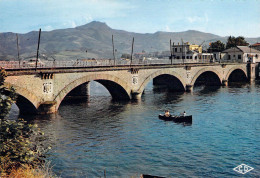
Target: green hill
(95, 37)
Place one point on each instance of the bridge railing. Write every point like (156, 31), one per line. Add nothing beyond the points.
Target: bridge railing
(94, 63)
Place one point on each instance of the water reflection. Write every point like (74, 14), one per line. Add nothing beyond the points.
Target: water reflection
(207, 90)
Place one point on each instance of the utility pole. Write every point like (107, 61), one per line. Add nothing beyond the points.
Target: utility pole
(113, 50)
(171, 49)
(132, 51)
(18, 55)
(251, 58)
(211, 57)
(185, 51)
(234, 55)
(38, 49)
(182, 51)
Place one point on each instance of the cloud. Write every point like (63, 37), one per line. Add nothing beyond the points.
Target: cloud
(167, 28)
(48, 28)
(196, 19)
(88, 19)
(73, 24)
(206, 17)
(81, 20)
(193, 19)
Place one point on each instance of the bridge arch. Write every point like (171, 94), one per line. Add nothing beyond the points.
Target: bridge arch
(236, 68)
(209, 70)
(159, 73)
(27, 102)
(118, 88)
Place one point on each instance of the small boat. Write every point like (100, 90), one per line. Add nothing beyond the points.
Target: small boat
(177, 119)
(149, 176)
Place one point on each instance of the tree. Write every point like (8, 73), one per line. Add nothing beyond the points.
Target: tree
(7, 96)
(216, 46)
(126, 56)
(233, 42)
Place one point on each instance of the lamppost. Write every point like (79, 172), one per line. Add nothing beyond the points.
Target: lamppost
(54, 62)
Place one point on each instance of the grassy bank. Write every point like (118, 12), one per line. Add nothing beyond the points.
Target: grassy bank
(26, 171)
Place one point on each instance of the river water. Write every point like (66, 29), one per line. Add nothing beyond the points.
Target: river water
(127, 139)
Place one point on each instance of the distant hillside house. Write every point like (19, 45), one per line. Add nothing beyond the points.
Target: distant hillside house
(190, 51)
(241, 54)
(141, 55)
(256, 46)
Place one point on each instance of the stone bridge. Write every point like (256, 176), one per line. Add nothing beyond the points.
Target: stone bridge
(42, 91)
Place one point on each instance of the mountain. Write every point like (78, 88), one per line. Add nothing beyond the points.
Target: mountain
(96, 38)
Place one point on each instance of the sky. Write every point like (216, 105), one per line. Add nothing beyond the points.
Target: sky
(220, 17)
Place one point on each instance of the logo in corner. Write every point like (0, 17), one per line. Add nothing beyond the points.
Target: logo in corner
(243, 169)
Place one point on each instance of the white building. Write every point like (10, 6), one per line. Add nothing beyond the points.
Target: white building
(190, 52)
(240, 54)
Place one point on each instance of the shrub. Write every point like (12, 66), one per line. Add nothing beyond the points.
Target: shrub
(7, 96)
(21, 143)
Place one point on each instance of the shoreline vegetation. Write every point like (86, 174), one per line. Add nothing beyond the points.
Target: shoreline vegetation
(22, 148)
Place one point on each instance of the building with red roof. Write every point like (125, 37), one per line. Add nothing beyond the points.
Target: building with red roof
(256, 46)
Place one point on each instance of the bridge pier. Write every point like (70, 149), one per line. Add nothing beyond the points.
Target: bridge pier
(257, 70)
(136, 95)
(224, 83)
(47, 107)
(189, 88)
(251, 71)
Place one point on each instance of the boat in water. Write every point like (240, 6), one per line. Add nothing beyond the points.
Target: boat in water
(178, 119)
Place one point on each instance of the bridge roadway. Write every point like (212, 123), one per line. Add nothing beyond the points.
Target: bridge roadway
(42, 91)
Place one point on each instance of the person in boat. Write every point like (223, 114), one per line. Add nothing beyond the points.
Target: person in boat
(167, 113)
(183, 114)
